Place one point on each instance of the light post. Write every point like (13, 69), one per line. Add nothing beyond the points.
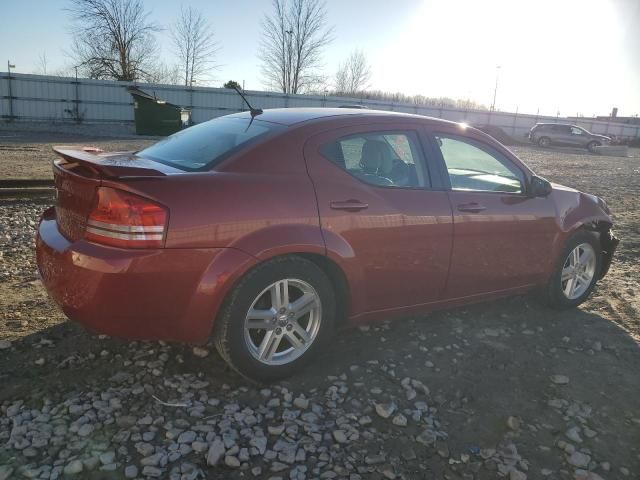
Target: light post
(495, 90)
(9, 67)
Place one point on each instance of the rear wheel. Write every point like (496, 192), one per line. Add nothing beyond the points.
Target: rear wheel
(544, 142)
(276, 319)
(577, 271)
(591, 146)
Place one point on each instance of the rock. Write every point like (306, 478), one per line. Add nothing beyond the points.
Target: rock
(231, 461)
(375, 459)
(151, 471)
(131, 471)
(385, 409)
(4, 344)
(5, 472)
(107, 458)
(215, 453)
(187, 437)
(301, 403)
(340, 436)
(40, 361)
(588, 432)
(126, 421)
(86, 430)
(426, 438)
(278, 467)
(574, 434)
(400, 420)
(586, 475)
(200, 352)
(559, 379)
(513, 423)
(579, 459)
(73, 467)
(517, 475)
(275, 429)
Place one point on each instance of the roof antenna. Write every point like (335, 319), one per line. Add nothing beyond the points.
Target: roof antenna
(254, 111)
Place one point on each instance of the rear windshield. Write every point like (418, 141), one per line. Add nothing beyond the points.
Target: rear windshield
(202, 146)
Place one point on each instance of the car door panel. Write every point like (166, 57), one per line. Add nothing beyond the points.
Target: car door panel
(400, 239)
(502, 240)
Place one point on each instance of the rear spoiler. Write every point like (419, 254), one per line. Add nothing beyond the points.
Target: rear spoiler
(107, 165)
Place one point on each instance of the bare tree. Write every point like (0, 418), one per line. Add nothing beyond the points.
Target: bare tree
(166, 74)
(194, 41)
(41, 68)
(292, 41)
(113, 38)
(354, 75)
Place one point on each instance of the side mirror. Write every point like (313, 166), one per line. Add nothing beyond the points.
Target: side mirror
(539, 187)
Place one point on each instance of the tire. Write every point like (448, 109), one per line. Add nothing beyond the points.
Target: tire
(591, 146)
(261, 290)
(556, 294)
(544, 142)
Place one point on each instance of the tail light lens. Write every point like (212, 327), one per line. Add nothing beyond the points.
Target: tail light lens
(122, 219)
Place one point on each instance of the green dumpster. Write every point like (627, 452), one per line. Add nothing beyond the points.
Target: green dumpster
(157, 117)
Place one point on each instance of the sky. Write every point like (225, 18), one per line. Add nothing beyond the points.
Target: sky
(566, 57)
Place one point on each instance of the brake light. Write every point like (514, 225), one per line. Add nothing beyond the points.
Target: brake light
(122, 219)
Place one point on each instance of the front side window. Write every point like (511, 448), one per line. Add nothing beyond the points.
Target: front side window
(204, 145)
(475, 168)
(387, 159)
(576, 131)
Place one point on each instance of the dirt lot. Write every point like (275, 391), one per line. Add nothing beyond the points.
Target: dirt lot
(502, 390)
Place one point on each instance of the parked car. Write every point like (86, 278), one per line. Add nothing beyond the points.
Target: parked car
(266, 232)
(546, 134)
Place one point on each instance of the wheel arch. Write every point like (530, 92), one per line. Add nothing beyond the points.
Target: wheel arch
(333, 271)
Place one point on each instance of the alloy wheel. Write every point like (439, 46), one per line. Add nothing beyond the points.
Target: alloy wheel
(578, 271)
(283, 321)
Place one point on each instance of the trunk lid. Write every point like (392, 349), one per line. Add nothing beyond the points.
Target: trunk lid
(79, 172)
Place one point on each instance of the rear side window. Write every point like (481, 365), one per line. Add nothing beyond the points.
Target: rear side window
(386, 159)
(202, 146)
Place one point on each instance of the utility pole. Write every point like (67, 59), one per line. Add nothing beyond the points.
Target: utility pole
(9, 67)
(495, 90)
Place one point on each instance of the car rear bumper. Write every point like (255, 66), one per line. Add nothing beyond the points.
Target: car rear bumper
(159, 294)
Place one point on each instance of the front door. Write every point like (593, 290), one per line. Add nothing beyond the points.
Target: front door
(502, 237)
(392, 233)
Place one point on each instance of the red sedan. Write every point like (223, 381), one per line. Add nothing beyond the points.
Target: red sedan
(266, 231)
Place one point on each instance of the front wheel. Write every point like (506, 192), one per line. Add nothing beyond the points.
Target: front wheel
(276, 319)
(592, 146)
(577, 271)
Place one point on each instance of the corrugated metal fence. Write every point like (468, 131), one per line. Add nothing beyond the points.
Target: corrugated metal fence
(38, 98)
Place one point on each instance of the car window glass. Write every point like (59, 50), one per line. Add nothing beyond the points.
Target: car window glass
(576, 131)
(203, 145)
(387, 159)
(472, 168)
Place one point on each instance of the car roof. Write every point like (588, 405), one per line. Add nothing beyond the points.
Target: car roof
(292, 116)
(555, 125)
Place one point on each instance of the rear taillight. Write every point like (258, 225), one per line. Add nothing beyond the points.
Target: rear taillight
(123, 219)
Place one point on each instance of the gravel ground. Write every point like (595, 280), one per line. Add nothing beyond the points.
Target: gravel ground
(502, 390)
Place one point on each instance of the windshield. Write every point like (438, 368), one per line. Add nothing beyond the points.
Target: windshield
(202, 146)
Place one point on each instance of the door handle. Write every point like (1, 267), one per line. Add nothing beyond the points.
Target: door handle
(471, 207)
(349, 205)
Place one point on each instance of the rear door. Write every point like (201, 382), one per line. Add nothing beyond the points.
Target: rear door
(502, 237)
(377, 207)
(562, 135)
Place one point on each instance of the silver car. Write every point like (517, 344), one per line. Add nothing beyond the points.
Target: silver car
(546, 134)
